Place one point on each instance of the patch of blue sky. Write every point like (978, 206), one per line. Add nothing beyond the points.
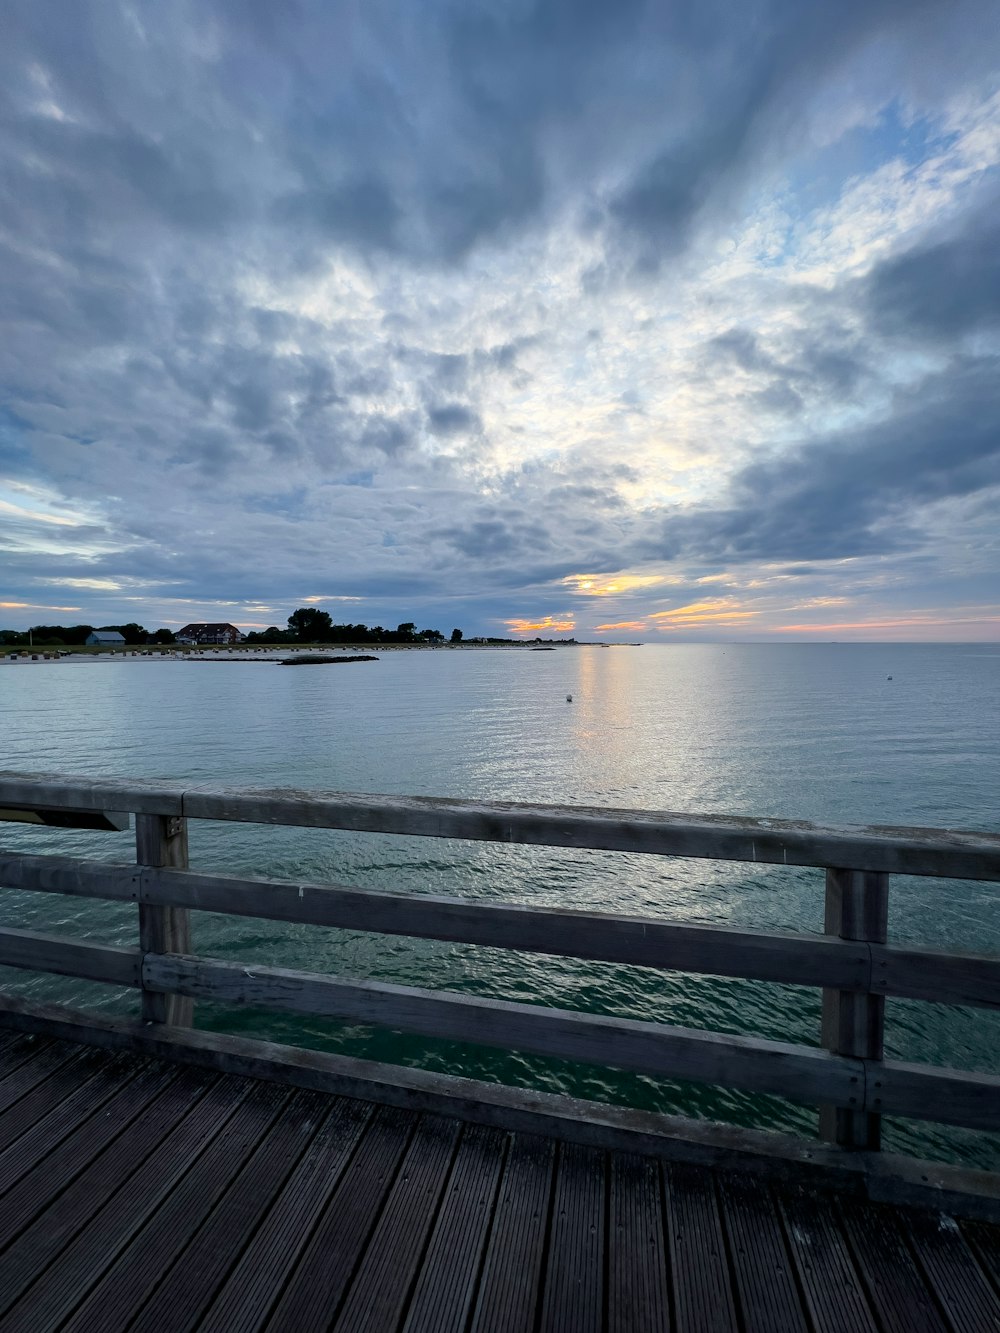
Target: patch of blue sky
(817, 181)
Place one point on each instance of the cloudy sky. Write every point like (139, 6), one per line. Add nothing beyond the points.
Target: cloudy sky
(658, 321)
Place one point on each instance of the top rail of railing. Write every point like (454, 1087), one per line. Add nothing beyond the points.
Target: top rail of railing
(945, 853)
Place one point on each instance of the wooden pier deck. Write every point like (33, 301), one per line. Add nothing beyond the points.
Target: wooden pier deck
(145, 1194)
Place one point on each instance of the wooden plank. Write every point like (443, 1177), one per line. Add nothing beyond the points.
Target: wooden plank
(905, 851)
(831, 1286)
(39, 1094)
(896, 1289)
(795, 958)
(42, 1162)
(190, 1286)
(376, 1300)
(70, 875)
(924, 1092)
(19, 1048)
(114, 1301)
(446, 1284)
(884, 1177)
(71, 958)
(798, 1072)
(638, 1292)
(316, 1288)
(112, 1201)
(891, 850)
(510, 1291)
(703, 1295)
(856, 908)
(244, 1300)
(25, 1062)
(801, 959)
(943, 978)
(76, 1228)
(922, 974)
(163, 841)
(984, 1242)
(573, 1290)
(52, 790)
(763, 1271)
(952, 1273)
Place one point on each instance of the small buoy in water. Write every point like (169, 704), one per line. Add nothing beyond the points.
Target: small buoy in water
(888, 678)
(569, 698)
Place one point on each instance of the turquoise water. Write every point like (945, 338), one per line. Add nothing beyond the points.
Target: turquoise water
(795, 731)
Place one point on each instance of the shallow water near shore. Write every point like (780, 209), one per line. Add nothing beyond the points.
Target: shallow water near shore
(812, 731)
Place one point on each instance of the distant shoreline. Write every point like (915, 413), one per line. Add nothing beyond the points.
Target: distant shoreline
(267, 652)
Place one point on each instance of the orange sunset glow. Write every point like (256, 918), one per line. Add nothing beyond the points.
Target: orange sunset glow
(547, 625)
(713, 611)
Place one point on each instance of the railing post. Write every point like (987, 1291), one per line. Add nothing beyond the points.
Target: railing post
(161, 840)
(857, 908)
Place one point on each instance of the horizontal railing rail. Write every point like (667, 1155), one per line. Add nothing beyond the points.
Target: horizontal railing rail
(794, 958)
(852, 963)
(888, 850)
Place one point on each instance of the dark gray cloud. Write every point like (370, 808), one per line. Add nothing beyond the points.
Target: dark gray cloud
(453, 419)
(859, 493)
(945, 287)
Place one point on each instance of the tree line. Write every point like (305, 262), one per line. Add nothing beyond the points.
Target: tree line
(310, 625)
(305, 625)
(75, 636)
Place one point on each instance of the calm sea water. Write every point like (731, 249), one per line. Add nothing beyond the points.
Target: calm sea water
(796, 731)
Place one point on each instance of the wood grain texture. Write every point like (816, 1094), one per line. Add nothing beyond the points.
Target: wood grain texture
(61, 789)
(905, 851)
(114, 1301)
(797, 1072)
(856, 907)
(573, 1286)
(953, 1274)
(704, 1298)
(68, 1229)
(925, 1092)
(885, 1177)
(256, 1282)
(801, 959)
(508, 1299)
(38, 1164)
(235, 1204)
(914, 973)
(162, 841)
(48, 1302)
(71, 958)
(897, 1290)
(763, 1271)
(446, 1285)
(379, 1293)
(942, 978)
(72, 875)
(179, 1302)
(832, 1289)
(638, 1284)
(315, 1291)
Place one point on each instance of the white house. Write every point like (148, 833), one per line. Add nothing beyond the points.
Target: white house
(104, 638)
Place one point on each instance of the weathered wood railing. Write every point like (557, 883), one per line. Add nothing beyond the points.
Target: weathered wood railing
(854, 965)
